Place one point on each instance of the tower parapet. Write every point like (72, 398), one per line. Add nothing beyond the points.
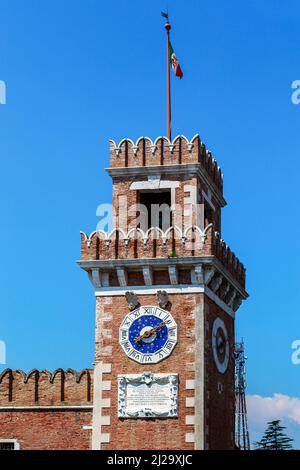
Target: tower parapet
(162, 152)
(156, 244)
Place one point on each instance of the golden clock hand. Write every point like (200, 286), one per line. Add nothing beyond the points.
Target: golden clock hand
(149, 332)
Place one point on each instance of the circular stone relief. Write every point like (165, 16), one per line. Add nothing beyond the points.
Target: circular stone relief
(220, 345)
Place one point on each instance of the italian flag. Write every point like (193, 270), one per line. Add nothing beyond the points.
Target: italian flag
(174, 63)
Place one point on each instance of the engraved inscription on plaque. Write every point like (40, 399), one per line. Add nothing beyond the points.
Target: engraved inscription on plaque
(148, 395)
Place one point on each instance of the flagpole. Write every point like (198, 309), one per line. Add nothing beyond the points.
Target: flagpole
(168, 27)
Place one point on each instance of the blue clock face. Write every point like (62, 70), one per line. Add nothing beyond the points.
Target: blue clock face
(142, 339)
(148, 334)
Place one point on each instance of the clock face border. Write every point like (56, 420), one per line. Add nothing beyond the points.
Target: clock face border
(220, 325)
(148, 358)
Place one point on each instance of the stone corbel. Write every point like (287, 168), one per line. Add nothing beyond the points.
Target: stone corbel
(208, 275)
(173, 275)
(230, 297)
(198, 275)
(96, 278)
(122, 277)
(216, 283)
(237, 302)
(224, 289)
(148, 276)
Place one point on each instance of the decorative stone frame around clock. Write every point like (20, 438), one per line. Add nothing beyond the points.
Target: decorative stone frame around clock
(148, 358)
(169, 384)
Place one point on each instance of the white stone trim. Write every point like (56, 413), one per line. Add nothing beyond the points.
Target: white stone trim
(106, 368)
(105, 420)
(11, 441)
(106, 385)
(199, 377)
(87, 428)
(210, 262)
(179, 289)
(189, 437)
(99, 403)
(154, 183)
(105, 438)
(105, 402)
(190, 420)
(190, 384)
(190, 402)
(175, 169)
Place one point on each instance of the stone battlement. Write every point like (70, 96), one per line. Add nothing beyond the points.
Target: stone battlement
(161, 152)
(174, 243)
(43, 388)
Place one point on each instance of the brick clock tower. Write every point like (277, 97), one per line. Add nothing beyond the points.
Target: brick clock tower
(167, 288)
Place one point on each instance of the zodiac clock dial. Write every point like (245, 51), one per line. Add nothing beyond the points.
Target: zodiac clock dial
(148, 334)
(220, 345)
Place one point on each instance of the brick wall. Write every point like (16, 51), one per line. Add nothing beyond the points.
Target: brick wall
(219, 405)
(47, 430)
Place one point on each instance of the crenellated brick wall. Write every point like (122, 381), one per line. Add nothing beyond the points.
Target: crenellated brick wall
(145, 152)
(156, 244)
(43, 410)
(42, 388)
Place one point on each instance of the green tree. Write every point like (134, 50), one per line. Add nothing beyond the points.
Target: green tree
(274, 438)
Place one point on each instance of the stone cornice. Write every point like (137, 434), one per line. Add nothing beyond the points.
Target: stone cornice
(165, 263)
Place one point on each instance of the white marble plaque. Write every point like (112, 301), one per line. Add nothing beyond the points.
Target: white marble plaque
(148, 395)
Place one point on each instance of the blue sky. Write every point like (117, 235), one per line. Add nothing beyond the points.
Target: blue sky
(80, 72)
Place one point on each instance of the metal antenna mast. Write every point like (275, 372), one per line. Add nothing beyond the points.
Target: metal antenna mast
(242, 439)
